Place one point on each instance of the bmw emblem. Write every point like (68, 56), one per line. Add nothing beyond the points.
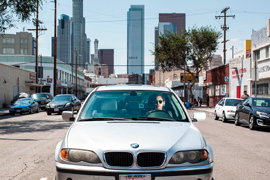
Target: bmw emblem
(134, 145)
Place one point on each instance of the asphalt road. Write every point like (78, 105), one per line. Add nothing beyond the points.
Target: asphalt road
(28, 142)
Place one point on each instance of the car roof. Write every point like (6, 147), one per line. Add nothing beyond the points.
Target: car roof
(232, 98)
(24, 99)
(132, 87)
(64, 95)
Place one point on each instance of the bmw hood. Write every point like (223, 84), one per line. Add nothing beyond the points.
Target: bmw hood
(59, 102)
(21, 106)
(262, 109)
(119, 135)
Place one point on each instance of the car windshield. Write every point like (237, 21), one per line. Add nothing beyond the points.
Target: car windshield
(233, 102)
(261, 102)
(61, 98)
(39, 96)
(22, 102)
(136, 105)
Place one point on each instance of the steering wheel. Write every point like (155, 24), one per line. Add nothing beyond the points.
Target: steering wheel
(159, 114)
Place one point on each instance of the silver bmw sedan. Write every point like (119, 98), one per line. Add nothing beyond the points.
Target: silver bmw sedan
(133, 132)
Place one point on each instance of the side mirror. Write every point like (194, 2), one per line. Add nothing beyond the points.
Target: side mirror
(68, 116)
(198, 116)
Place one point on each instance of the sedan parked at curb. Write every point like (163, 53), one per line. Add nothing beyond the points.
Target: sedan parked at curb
(24, 105)
(43, 99)
(63, 102)
(254, 112)
(133, 132)
(226, 108)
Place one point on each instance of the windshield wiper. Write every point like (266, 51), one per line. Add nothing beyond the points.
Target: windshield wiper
(151, 118)
(101, 119)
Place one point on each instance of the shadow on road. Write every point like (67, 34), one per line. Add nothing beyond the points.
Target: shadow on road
(13, 127)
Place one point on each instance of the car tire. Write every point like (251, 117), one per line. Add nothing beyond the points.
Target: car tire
(38, 110)
(224, 119)
(31, 111)
(48, 113)
(215, 116)
(252, 122)
(12, 114)
(60, 112)
(236, 119)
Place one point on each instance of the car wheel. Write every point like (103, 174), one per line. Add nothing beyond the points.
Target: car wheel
(60, 112)
(12, 114)
(236, 119)
(252, 123)
(215, 116)
(38, 110)
(224, 119)
(31, 111)
(48, 113)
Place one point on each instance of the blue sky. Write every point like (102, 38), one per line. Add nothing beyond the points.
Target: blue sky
(106, 21)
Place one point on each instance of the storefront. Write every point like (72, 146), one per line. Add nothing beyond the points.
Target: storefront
(240, 77)
(263, 82)
(217, 84)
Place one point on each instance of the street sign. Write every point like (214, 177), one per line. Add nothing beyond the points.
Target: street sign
(226, 78)
(49, 80)
(189, 77)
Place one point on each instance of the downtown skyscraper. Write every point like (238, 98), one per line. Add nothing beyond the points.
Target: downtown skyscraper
(79, 38)
(64, 39)
(135, 40)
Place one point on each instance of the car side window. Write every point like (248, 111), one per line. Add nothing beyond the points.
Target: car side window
(245, 101)
(221, 102)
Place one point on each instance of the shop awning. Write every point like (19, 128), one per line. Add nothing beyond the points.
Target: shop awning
(34, 84)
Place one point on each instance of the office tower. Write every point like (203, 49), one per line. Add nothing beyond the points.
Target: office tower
(96, 60)
(64, 31)
(92, 58)
(106, 56)
(135, 40)
(178, 19)
(166, 27)
(19, 43)
(78, 33)
(88, 52)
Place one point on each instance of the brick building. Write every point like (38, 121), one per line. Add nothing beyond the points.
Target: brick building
(217, 83)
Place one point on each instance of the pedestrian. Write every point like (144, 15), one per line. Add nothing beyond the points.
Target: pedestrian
(207, 100)
(200, 101)
(195, 102)
(245, 95)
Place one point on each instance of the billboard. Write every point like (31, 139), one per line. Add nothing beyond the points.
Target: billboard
(189, 77)
(247, 48)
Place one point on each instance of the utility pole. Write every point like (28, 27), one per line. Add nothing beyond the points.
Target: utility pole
(76, 74)
(225, 28)
(36, 23)
(55, 52)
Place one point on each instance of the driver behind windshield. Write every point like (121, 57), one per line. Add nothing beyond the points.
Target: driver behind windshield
(159, 104)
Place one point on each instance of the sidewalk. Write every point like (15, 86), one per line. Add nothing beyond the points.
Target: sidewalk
(204, 108)
(4, 111)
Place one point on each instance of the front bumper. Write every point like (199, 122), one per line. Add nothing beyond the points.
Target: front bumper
(203, 172)
(263, 122)
(58, 109)
(230, 115)
(19, 110)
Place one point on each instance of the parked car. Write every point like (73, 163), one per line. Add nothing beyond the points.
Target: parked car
(63, 102)
(254, 111)
(24, 105)
(120, 135)
(226, 108)
(43, 99)
(20, 96)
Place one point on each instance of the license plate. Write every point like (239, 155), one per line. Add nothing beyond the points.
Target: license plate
(18, 111)
(56, 109)
(135, 177)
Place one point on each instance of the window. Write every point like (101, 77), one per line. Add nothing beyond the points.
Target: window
(25, 51)
(23, 41)
(21, 51)
(267, 51)
(8, 41)
(261, 88)
(257, 54)
(8, 51)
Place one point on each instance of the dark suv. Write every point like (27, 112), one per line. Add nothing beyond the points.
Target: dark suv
(43, 99)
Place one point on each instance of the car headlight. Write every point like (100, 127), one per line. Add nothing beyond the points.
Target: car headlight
(75, 155)
(48, 105)
(262, 114)
(28, 107)
(68, 104)
(188, 156)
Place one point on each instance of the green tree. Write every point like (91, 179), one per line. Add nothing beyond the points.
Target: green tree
(188, 50)
(12, 11)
